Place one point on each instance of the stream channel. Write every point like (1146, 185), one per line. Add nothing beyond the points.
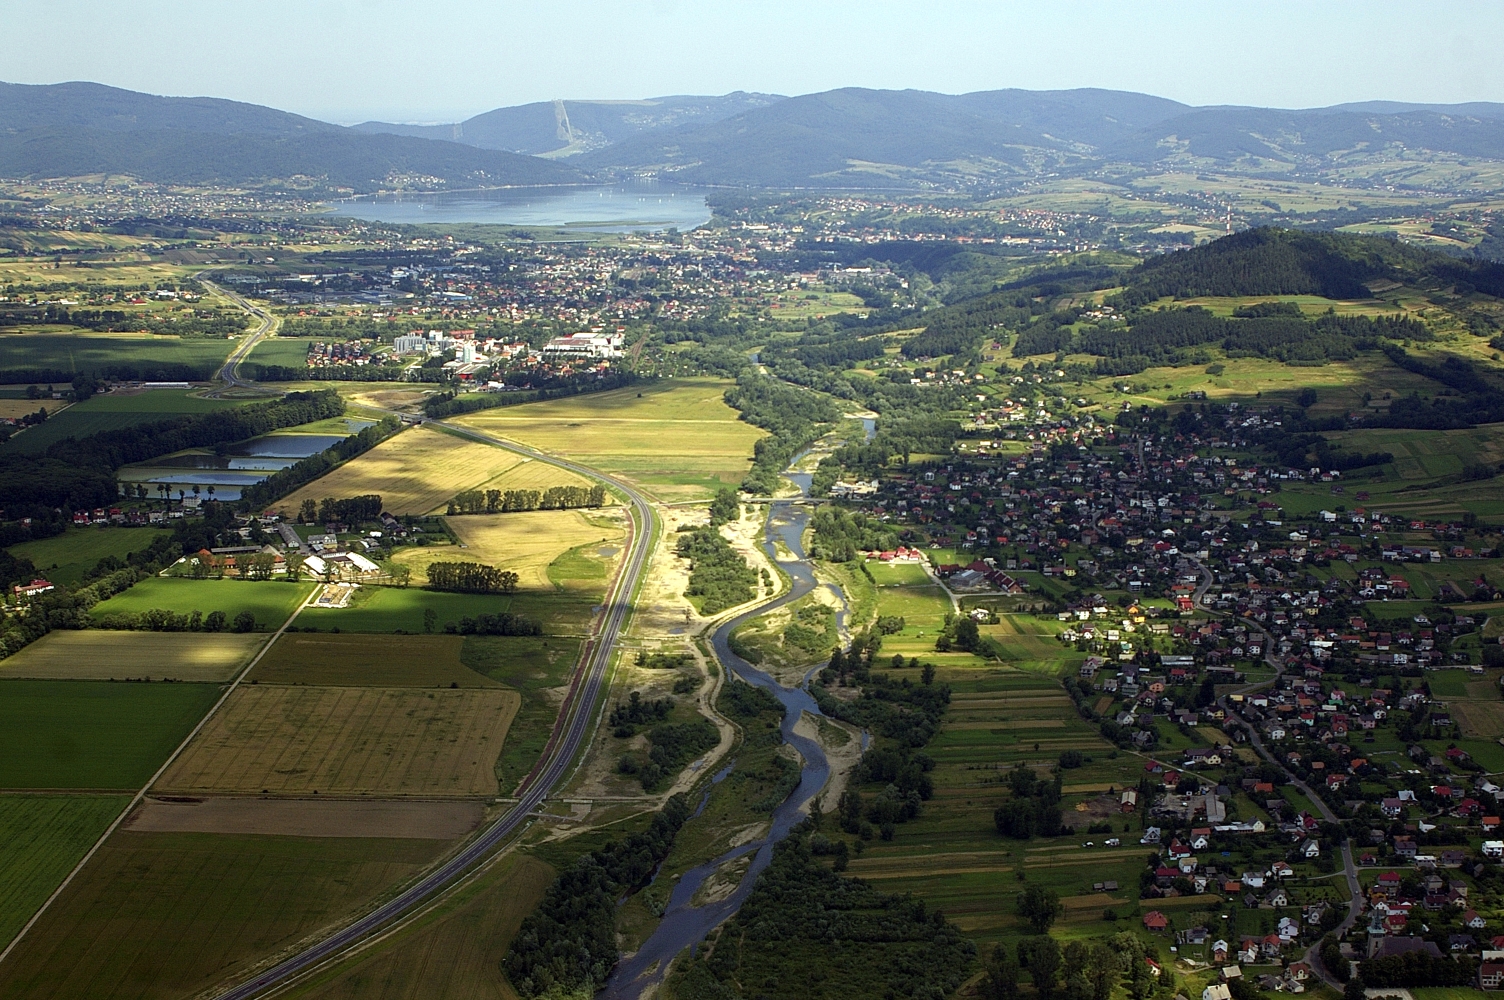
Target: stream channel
(684, 925)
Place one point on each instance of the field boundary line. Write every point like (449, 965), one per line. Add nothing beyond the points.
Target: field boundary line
(136, 799)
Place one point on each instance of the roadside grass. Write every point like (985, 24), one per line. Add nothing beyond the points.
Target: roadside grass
(95, 654)
(112, 411)
(93, 734)
(456, 953)
(271, 601)
(535, 668)
(527, 543)
(64, 559)
(417, 471)
(159, 915)
(365, 660)
(677, 438)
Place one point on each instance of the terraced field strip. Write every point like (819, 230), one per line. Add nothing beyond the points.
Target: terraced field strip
(353, 741)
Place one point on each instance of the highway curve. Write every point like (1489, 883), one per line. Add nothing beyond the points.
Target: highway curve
(572, 730)
(230, 372)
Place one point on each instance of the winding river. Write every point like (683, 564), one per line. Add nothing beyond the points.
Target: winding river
(683, 924)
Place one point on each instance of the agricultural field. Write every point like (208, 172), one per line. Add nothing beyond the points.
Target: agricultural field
(346, 659)
(93, 654)
(321, 817)
(166, 915)
(72, 351)
(93, 734)
(296, 740)
(401, 609)
(677, 438)
(526, 542)
(289, 352)
(953, 857)
(41, 838)
(64, 559)
(112, 411)
(270, 601)
(458, 954)
(415, 472)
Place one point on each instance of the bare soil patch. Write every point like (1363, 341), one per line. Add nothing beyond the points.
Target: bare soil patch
(309, 818)
(366, 660)
(348, 741)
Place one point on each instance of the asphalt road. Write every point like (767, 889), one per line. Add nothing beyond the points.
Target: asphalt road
(229, 373)
(570, 734)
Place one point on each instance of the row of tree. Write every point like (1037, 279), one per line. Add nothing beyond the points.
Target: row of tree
(471, 578)
(511, 501)
(348, 510)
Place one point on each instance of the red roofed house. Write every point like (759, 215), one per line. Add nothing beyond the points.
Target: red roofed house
(1156, 921)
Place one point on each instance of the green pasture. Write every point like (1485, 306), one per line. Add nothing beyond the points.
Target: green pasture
(41, 838)
(111, 412)
(289, 352)
(86, 351)
(393, 609)
(93, 734)
(64, 559)
(271, 601)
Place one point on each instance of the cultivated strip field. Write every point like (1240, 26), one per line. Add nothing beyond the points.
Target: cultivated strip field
(678, 437)
(348, 741)
(416, 472)
(531, 474)
(458, 955)
(270, 601)
(93, 734)
(309, 818)
(165, 915)
(41, 839)
(345, 659)
(97, 655)
(525, 542)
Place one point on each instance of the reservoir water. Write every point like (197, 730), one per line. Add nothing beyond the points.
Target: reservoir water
(600, 208)
(684, 925)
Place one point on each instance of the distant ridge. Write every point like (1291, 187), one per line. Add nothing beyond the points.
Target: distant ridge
(74, 129)
(567, 127)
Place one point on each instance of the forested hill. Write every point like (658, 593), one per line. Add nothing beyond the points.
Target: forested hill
(1291, 262)
(76, 129)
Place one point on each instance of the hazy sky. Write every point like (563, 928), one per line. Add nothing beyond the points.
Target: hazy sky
(350, 60)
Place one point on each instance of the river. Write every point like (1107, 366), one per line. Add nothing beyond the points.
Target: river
(684, 925)
(600, 208)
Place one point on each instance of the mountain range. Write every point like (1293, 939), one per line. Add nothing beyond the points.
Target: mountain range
(79, 129)
(844, 138)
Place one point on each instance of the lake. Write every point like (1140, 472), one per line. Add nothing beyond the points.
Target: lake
(600, 208)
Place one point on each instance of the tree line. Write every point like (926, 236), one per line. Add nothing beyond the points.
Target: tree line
(471, 578)
(350, 510)
(511, 501)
